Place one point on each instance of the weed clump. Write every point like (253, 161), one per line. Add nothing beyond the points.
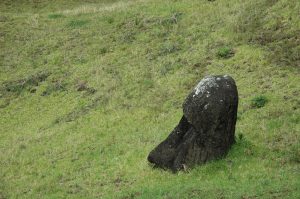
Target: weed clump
(225, 52)
(239, 115)
(77, 23)
(128, 36)
(240, 136)
(148, 83)
(168, 21)
(54, 86)
(55, 16)
(104, 50)
(169, 48)
(109, 19)
(82, 86)
(259, 102)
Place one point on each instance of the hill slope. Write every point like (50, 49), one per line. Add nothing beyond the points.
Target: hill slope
(88, 89)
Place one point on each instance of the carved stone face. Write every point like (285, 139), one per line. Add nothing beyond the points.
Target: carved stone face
(206, 129)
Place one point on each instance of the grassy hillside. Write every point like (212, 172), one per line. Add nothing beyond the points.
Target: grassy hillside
(87, 90)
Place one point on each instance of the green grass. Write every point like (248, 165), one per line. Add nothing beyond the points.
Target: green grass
(77, 23)
(225, 52)
(55, 16)
(87, 90)
(259, 101)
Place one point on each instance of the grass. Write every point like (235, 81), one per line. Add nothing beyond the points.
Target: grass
(88, 89)
(55, 16)
(259, 101)
(77, 23)
(225, 52)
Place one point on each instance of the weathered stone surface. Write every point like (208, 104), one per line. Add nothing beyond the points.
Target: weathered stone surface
(206, 129)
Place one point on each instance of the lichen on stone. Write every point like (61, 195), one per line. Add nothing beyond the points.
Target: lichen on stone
(205, 83)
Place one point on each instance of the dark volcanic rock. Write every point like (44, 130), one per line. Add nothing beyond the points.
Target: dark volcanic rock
(206, 129)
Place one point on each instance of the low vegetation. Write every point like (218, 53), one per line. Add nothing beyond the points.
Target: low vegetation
(259, 101)
(87, 89)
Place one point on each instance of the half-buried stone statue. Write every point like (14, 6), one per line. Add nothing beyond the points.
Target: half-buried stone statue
(206, 129)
